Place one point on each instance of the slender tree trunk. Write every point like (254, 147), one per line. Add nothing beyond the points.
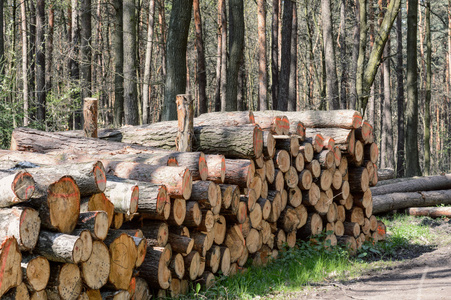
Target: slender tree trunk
(344, 62)
(118, 47)
(371, 115)
(2, 46)
(361, 4)
(131, 116)
(400, 98)
(262, 74)
(23, 15)
(275, 53)
(176, 56)
(236, 46)
(292, 88)
(412, 157)
(40, 60)
(387, 160)
(32, 58)
(74, 65)
(217, 103)
(282, 103)
(49, 51)
(427, 103)
(202, 105)
(355, 55)
(85, 49)
(329, 49)
(223, 22)
(148, 63)
(376, 52)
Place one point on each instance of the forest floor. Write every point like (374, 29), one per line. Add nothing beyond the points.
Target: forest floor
(421, 271)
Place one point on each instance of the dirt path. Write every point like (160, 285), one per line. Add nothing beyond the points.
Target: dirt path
(425, 277)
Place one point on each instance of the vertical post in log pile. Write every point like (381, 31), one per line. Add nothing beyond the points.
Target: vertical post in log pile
(90, 108)
(185, 116)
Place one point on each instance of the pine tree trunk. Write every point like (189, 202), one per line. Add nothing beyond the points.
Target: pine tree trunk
(118, 49)
(175, 82)
(292, 87)
(236, 46)
(223, 21)
(331, 69)
(202, 105)
(400, 98)
(129, 63)
(275, 53)
(2, 41)
(343, 56)
(148, 64)
(262, 74)
(282, 102)
(412, 156)
(40, 59)
(427, 102)
(23, 14)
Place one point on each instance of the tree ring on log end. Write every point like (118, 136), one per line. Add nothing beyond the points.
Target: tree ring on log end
(23, 185)
(258, 141)
(100, 177)
(64, 204)
(203, 167)
(187, 184)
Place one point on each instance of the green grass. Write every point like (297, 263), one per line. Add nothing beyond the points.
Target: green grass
(308, 264)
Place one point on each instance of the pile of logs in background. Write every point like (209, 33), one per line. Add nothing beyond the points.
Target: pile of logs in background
(124, 215)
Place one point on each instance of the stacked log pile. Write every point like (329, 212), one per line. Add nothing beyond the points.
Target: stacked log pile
(258, 182)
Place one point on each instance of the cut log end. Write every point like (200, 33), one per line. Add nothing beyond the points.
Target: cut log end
(23, 185)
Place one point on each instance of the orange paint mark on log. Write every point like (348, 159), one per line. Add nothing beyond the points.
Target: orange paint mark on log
(5, 250)
(64, 195)
(204, 168)
(172, 162)
(103, 177)
(22, 218)
(380, 230)
(27, 190)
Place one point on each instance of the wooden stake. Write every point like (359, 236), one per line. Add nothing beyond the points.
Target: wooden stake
(90, 108)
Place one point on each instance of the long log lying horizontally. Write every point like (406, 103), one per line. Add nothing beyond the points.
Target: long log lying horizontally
(389, 202)
(429, 183)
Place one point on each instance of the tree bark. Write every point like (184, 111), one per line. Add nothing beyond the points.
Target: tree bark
(275, 53)
(438, 182)
(400, 98)
(433, 212)
(331, 68)
(262, 74)
(23, 14)
(118, 49)
(376, 52)
(40, 60)
(129, 63)
(282, 102)
(236, 46)
(21, 222)
(427, 102)
(2, 42)
(202, 104)
(85, 48)
(402, 200)
(175, 82)
(148, 64)
(343, 56)
(223, 23)
(292, 83)
(412, 156)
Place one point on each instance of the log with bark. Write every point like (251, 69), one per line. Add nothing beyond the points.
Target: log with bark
(123, 256)
(10, 258)
(96, 222)
(98, 202)
(57, 200)
(178, 180)
(21, 222)
(216, 168)
(65, 282)
(36, 271)
(388, 202)
(15, 187)
(95, 271)
(416, 184)
(433, 212)
(60, 247)
(348, 119)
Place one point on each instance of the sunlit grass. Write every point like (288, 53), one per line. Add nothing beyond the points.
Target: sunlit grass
(309, 264)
